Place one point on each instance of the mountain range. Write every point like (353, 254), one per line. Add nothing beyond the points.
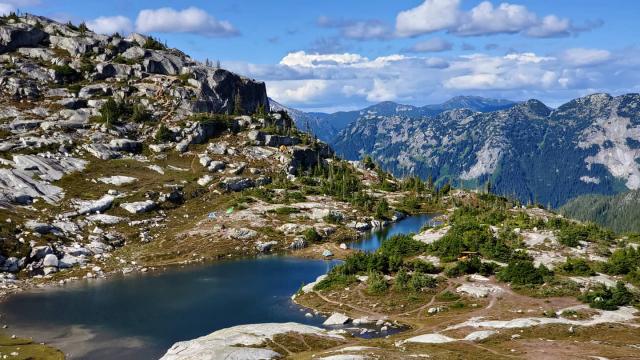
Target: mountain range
(327, 126)
(589, 145)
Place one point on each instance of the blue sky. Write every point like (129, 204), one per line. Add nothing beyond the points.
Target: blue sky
(332, 55)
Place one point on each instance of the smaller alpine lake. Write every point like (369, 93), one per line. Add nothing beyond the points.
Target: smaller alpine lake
(139, 316)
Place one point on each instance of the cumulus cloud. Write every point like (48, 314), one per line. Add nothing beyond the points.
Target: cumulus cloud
(111, 24)
(349, 79)
(6, 9)
(432, 45)
(550, 26)
(380, 92)
(190, 20)
(430, 16)
(298, 91)
(301, 59)
(586, 57)
(357, 29)
(483, 19)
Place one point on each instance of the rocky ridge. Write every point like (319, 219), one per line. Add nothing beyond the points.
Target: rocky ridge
(529, 151)
(108, 141)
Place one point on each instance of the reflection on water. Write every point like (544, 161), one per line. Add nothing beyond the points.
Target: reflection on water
(141, 315)
(373, 241)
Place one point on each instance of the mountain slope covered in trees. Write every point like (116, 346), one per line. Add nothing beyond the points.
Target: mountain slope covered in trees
(530, 151)
(620, 212)
(327, 126)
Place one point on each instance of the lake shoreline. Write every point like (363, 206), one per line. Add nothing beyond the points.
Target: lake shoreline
(300, 256)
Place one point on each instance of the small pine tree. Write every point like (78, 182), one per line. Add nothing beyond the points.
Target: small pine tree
(237, 105)
(82, 28)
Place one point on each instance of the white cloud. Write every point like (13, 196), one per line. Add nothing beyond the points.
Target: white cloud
(304, 91)
(111, 24)
(380, 92)
(317, 81)
(483, 19)
(512, 71)
(486, 19)
(432, 45)
(550, 26)
(6, 9)
(303, 60)
(190, 20)
(364, 30)
(586, 57)
(357, 29)
(430, 16)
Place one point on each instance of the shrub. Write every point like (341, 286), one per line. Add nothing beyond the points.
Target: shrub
(472, 266)
(294, 196)
(422, 266)
(332, 218)
(153, 44)
(382, 209)
(401, 281)
(605, 298)
(465, 234)
(402, 245)
(215, 122)
(122, 60)
(311, 235)
(285, 210)
(376, 284)
(164, 134)
(74, 89)
(448, 296)
(140, 114)
(420, 281)
(576, 266)
(66, 73)
(622, 261)
(523, 272)
(335, 280)
(111, 111)
(571, 233)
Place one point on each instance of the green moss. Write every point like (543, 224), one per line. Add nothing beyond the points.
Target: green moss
(27, 349)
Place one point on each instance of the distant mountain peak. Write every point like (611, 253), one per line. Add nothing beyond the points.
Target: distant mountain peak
(533, 107)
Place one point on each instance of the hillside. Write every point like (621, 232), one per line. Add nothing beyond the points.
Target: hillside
(620, 212)
(119, 154)
(327, 126)
(529, 151)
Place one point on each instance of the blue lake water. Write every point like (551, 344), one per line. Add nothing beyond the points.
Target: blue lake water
(140, 316)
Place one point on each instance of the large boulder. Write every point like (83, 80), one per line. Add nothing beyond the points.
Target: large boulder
(76, 46)
(306, 157)
(19, 35)
(241, 342)
(100, 205)
(50, 260)
(237, 183)
(19, 187)
(109, 70)
(278, 140)
(126, 145)
(162, 62)
(219, 90)
(139, 207)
